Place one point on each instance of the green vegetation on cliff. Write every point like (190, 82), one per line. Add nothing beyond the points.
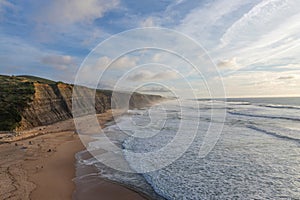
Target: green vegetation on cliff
(15, 94)
(36, 79)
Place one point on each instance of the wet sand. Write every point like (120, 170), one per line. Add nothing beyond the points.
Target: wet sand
(43, 166)
(91, 186)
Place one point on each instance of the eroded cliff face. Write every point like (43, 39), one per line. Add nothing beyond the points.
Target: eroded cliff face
(48, 106)
(53, 102)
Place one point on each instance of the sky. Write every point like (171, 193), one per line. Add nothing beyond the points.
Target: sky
(247, 47)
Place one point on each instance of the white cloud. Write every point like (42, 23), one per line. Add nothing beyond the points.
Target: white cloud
(262, 83)
(258, 33)
(76, 11)
(228, 64)
(125, 62)
(92, 36)
(270, 21)
(200, 22)
(145, 75)
(104, 68)
(18, 52)
(23, 57)
(122, 62)
(58, 59)
(61, 62)
(289, 67)
(148, 22)
(258, 16)
(267, 31)
(102, 63)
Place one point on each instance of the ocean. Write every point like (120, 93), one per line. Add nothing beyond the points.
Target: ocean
(242, 148)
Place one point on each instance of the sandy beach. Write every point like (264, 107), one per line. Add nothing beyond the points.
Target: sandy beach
(40, 164)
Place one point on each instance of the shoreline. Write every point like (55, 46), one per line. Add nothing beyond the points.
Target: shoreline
(89, 185)
(42, 165)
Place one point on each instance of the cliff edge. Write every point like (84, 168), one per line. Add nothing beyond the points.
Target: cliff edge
(27, 102)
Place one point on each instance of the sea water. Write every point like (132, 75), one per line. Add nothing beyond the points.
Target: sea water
(255, 156)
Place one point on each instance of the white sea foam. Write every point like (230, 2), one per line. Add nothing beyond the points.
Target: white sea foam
(257, 156)
(247, 163)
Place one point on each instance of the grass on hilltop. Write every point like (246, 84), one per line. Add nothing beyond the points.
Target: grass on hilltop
(36, 79)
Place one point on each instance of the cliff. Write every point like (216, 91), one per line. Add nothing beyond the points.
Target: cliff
(44, 102)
